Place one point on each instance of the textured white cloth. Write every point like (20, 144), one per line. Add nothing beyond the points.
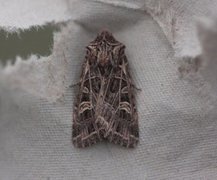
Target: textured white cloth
(174, 67)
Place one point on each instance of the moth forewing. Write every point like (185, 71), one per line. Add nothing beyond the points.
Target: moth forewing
(105, 107)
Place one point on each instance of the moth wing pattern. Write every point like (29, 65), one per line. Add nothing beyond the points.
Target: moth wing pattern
(122, 128)
(85, 131)
(105, 106)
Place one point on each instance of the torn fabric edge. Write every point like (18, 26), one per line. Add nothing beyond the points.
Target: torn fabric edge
(160, 11)
(49, 71)
(168, 20)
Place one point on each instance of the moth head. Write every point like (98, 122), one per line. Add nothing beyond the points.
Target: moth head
(105, 35)
(105, 50)
(98, 55)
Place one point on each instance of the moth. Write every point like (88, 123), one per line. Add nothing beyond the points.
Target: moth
(105, 107)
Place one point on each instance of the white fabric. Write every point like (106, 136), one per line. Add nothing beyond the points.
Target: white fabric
(174, 67)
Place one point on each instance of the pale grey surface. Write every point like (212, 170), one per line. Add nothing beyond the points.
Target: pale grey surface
(178, 127)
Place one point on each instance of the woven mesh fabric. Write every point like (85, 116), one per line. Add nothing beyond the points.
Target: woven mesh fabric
(178, 127)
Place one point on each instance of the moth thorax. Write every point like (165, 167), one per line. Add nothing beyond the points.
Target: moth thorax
(103, 58)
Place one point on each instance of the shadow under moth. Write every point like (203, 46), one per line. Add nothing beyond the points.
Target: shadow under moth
(105, 107)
